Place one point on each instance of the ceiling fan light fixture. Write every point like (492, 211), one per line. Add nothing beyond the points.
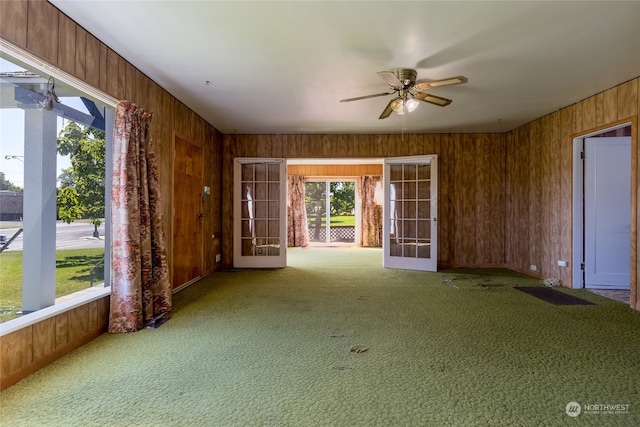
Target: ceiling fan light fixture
(411, 104)
(397, 105)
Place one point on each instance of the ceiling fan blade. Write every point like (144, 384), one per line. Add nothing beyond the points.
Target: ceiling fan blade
(387, 111)
(432, 99)
(357, 98)
(391, 79)
(438, 83)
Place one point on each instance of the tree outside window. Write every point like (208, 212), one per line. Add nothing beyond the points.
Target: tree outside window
(81, 186)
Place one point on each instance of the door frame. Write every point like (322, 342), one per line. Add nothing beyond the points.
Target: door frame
(327, 181)
(179, 287)
(578, 243)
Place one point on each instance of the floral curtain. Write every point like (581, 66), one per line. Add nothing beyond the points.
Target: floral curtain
(371, 210)
(140, 285)
(297, 229)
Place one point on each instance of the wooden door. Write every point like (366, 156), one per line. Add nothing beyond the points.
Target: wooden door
(410, 209)
(188, 189)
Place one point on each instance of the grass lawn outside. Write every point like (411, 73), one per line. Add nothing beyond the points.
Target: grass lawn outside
(73, 273)
(337, 221)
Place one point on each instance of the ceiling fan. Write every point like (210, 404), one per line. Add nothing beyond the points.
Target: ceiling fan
(403, 83)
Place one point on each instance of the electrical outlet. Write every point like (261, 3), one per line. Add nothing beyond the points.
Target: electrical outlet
(218, 258)
(533, 267)
(562, 263)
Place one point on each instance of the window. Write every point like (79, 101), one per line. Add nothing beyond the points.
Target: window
(54, 164)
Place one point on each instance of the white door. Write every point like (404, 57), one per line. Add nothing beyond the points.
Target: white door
(410, 210)
(259, 213)
(607, 201)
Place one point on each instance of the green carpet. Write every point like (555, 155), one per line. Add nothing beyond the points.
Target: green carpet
(336, 340)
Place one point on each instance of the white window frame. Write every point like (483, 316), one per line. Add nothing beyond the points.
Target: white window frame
(21, 57)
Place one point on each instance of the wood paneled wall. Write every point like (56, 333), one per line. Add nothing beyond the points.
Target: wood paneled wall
(337, 171)
(42, 30)
(28, 349)
(471, 182)
(539, 195)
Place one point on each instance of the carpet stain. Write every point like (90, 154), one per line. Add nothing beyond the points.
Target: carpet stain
(358, 349)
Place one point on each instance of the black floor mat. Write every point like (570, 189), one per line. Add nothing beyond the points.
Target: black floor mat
(552, 296)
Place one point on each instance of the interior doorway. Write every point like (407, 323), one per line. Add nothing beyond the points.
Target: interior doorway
(602, 201)
(331, 213)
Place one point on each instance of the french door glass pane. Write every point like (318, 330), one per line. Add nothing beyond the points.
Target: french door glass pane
(410, 210)
(260, 209)
(316, 205)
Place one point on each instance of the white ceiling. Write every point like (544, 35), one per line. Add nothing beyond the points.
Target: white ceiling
(281, 67)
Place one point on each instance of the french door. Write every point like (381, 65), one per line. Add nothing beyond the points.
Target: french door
(259, 213)
(410, 209)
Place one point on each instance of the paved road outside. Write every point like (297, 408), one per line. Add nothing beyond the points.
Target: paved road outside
(77, 235)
